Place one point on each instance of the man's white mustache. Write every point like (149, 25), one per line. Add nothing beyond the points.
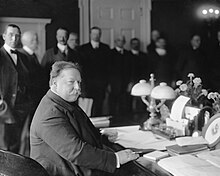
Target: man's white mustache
(76, 91)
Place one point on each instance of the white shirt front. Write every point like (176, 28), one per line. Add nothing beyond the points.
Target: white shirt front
(94, 44)
(61, 47)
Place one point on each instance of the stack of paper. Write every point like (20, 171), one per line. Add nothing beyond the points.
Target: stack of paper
(156, 155)
(188, 165)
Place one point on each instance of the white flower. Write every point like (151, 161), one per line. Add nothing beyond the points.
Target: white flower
(204, 92)
(197, 81)
(179, 82)
(213, 95)
(191, 75)
(183, 87)
(177, 90)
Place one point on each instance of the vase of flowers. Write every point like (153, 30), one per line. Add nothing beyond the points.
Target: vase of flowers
(192, 89)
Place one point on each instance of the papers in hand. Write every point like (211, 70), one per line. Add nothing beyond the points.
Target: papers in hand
(189, 140)
(156, 155)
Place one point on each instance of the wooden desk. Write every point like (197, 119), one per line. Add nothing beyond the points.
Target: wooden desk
(140, 167)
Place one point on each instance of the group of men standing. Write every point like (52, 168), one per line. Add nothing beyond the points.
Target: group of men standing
(22, 85)
(24, 80)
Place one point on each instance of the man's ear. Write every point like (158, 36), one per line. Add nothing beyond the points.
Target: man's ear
(55, 82)
(3, 36)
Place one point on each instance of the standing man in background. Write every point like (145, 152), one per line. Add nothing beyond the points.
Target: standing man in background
(94, 59)
(29, 41)
(139, 71)
(14, 87)
(73, 43)
(120, 75)
(60, 52)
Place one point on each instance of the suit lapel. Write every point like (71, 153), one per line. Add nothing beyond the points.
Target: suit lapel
(8, 59)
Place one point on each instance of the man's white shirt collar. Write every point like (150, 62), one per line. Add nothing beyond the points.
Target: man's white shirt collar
(61, 47)
(8, 48)
(121, 50)
(135, 52)
(28, 50)
(94, 44)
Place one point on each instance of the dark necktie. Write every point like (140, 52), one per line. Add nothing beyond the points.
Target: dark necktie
(35, 60)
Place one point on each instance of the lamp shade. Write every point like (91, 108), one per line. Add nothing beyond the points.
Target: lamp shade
(141, 89)
(163, 91)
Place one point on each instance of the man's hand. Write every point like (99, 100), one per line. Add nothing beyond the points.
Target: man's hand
(126, 156)
(112, 134)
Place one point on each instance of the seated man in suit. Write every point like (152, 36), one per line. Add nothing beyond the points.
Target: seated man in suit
(63, 138)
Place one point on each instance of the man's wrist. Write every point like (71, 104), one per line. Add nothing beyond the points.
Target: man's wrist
(117, 161)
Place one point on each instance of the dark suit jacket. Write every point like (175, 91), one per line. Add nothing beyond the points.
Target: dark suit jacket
(95, 67)
(120, 72)
(37, 75)
(191, 61)
(64, 140)
(161, 66)
(9, 79)
(139, 66)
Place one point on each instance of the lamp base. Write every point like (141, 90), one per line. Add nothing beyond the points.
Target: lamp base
(150, 123)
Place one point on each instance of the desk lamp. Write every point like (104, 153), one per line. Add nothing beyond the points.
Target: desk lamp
(149, 94)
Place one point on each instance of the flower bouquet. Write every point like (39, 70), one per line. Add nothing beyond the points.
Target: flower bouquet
(192, 89)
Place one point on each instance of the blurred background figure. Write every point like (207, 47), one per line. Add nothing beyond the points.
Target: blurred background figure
(191, 60)
(155, 34)
(140, 71)
(29, 41)
(73, 41)
(160, 62)
(73, 44)
(94, 60)
(213, 65)
(120, 77)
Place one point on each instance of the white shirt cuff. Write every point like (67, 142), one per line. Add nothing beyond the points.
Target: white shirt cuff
(118, 162)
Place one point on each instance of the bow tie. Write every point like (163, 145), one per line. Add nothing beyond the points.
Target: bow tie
(14, 51)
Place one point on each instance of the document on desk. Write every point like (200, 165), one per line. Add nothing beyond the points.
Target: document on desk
(188, 165)
(212, 157)
(132, 137)
(189, 140)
